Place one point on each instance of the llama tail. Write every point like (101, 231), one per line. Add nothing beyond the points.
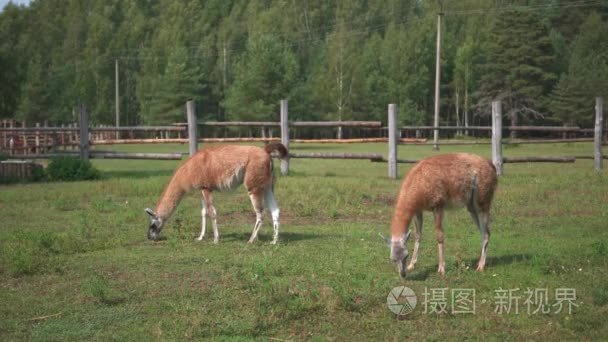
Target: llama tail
(277, 147)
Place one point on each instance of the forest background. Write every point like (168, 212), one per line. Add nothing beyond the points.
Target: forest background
(333, 60)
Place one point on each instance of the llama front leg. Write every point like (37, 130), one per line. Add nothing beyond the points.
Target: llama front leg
(258, 207)
(204, 218)
(484, 229)
(418, 225)
(439, 236)
(274, 211)
(212, 213)
(216, 231)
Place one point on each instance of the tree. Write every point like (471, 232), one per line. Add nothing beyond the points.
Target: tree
(33, 106)
(572, 100)
(11, 65)
(265, 74)
(518, 67)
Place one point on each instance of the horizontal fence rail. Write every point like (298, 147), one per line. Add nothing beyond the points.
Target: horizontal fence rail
(44, 142)
(489, 128)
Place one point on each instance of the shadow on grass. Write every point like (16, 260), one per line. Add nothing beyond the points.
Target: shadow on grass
(136, 173)
(423, 274)
(504, 259)
(264, 238)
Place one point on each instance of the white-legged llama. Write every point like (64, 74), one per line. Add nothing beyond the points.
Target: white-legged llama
(436, 183)
(222, 168)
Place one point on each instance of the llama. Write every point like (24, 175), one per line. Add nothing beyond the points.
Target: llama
(222, 168)
(436, 183)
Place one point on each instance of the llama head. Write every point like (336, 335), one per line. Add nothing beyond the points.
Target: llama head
(399, 253)
(156, 225)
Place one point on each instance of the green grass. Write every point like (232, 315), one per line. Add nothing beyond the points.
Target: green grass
(75, 263)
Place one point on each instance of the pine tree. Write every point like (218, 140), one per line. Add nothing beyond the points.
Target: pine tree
(518, 67)
(266, 74)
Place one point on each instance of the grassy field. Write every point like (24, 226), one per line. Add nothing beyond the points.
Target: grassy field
(75, 263)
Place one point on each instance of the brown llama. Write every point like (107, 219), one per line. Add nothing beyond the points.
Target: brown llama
(222, 168)
(436, 183)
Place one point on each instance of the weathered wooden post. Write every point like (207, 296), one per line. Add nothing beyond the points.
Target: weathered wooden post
(192, 128)
(84, 134)
(25, 136)
(599, 126)
(285, 135)
(497, 137)
(392, 141)
(37, 139)
(4, 140)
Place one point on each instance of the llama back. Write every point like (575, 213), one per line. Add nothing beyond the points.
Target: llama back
(224, 167)
(448, 180)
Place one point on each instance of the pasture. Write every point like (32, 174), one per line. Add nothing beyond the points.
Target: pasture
(75, 263)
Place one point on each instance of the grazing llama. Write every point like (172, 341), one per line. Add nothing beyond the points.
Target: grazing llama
(436, 183)
(222, 168)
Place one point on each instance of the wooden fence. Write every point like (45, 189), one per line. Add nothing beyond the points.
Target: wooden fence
(80, 137)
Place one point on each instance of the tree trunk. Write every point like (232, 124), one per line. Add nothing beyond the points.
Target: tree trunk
(466, 110)
(458, 111)
(514, 123)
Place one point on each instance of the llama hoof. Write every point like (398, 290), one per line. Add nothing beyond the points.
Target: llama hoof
(274, 242)
(200, 238)
(441, 271)
(410, 267)
(216, 241)
(480, 268)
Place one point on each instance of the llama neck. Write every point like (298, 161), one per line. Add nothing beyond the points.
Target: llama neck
(401, 219)
(171, 197)
(400, 225)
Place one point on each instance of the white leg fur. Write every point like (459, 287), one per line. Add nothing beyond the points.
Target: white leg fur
(440, 242)
(484, 229)
(418, 225)
(271, 204)
(258, 206)
(204, 219)
(216, 232)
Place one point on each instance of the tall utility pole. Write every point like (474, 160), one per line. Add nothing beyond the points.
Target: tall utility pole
(117, 99)
(437, 75)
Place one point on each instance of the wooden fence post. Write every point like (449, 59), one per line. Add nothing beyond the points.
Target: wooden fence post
(192, 128)
(4, 140)
(24, 137)
(37, 139)
(285, 135)
(599, 126)
(497, 137)
(392, 141)
(84, 134)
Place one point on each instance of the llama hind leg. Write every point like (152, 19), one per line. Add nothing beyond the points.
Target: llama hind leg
(271, 203)
(484, 229)
(482, 221)
(439, 236)
(258, 205)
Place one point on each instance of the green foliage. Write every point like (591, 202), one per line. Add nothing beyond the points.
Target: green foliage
(331, 59)
(71, 169)
(573, 99)
(266, 74)
(519, 68)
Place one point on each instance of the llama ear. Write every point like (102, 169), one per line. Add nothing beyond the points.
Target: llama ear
(385, 239)
(150, 212)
